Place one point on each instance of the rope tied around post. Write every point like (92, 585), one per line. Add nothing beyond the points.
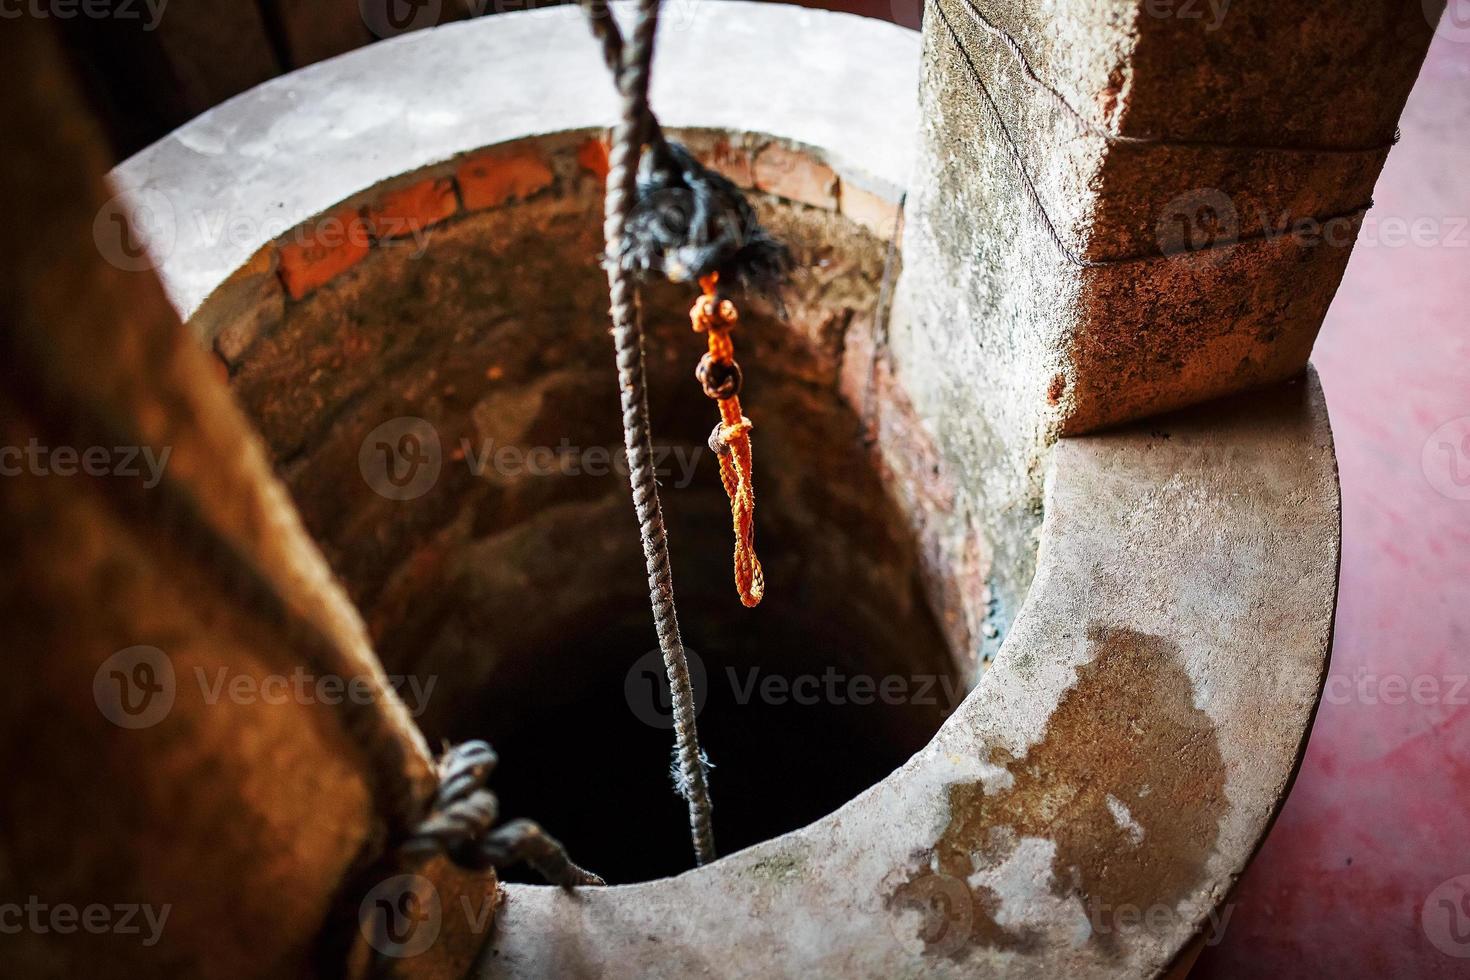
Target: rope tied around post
(461, 824)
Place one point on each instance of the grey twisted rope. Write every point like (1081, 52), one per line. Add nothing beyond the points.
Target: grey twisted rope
(630, 64)
(461, 823)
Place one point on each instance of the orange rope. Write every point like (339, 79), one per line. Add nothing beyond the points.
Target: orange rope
(720, 376)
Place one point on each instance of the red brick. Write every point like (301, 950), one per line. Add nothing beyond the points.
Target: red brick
(732, 161)
(488, 180)
(250, 301)
(262, 263)
(403, 212)
(592, 156)
(322, 249)
(796, 176)
(877, 214)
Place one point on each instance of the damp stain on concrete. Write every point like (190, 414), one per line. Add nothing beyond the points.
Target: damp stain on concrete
(1127, 786)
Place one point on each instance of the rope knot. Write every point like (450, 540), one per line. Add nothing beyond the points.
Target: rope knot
(721, 438)
(689, 222)
(462, 810)
(461, 824)
(710, 312)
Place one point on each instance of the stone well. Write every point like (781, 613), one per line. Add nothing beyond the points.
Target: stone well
(1126, 574)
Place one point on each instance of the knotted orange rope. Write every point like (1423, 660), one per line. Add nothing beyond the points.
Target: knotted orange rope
(721, 379)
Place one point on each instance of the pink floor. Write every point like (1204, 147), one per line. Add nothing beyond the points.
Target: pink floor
(1380, 815)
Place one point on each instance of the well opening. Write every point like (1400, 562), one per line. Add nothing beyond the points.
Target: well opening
(494, 553)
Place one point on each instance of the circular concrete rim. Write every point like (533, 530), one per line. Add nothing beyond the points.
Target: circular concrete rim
(1198, 550)
(236, 177)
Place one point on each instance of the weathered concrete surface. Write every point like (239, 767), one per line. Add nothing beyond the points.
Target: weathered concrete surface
(1162, 556)
(233, 821)
(1092, 802)
(1075, 279)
